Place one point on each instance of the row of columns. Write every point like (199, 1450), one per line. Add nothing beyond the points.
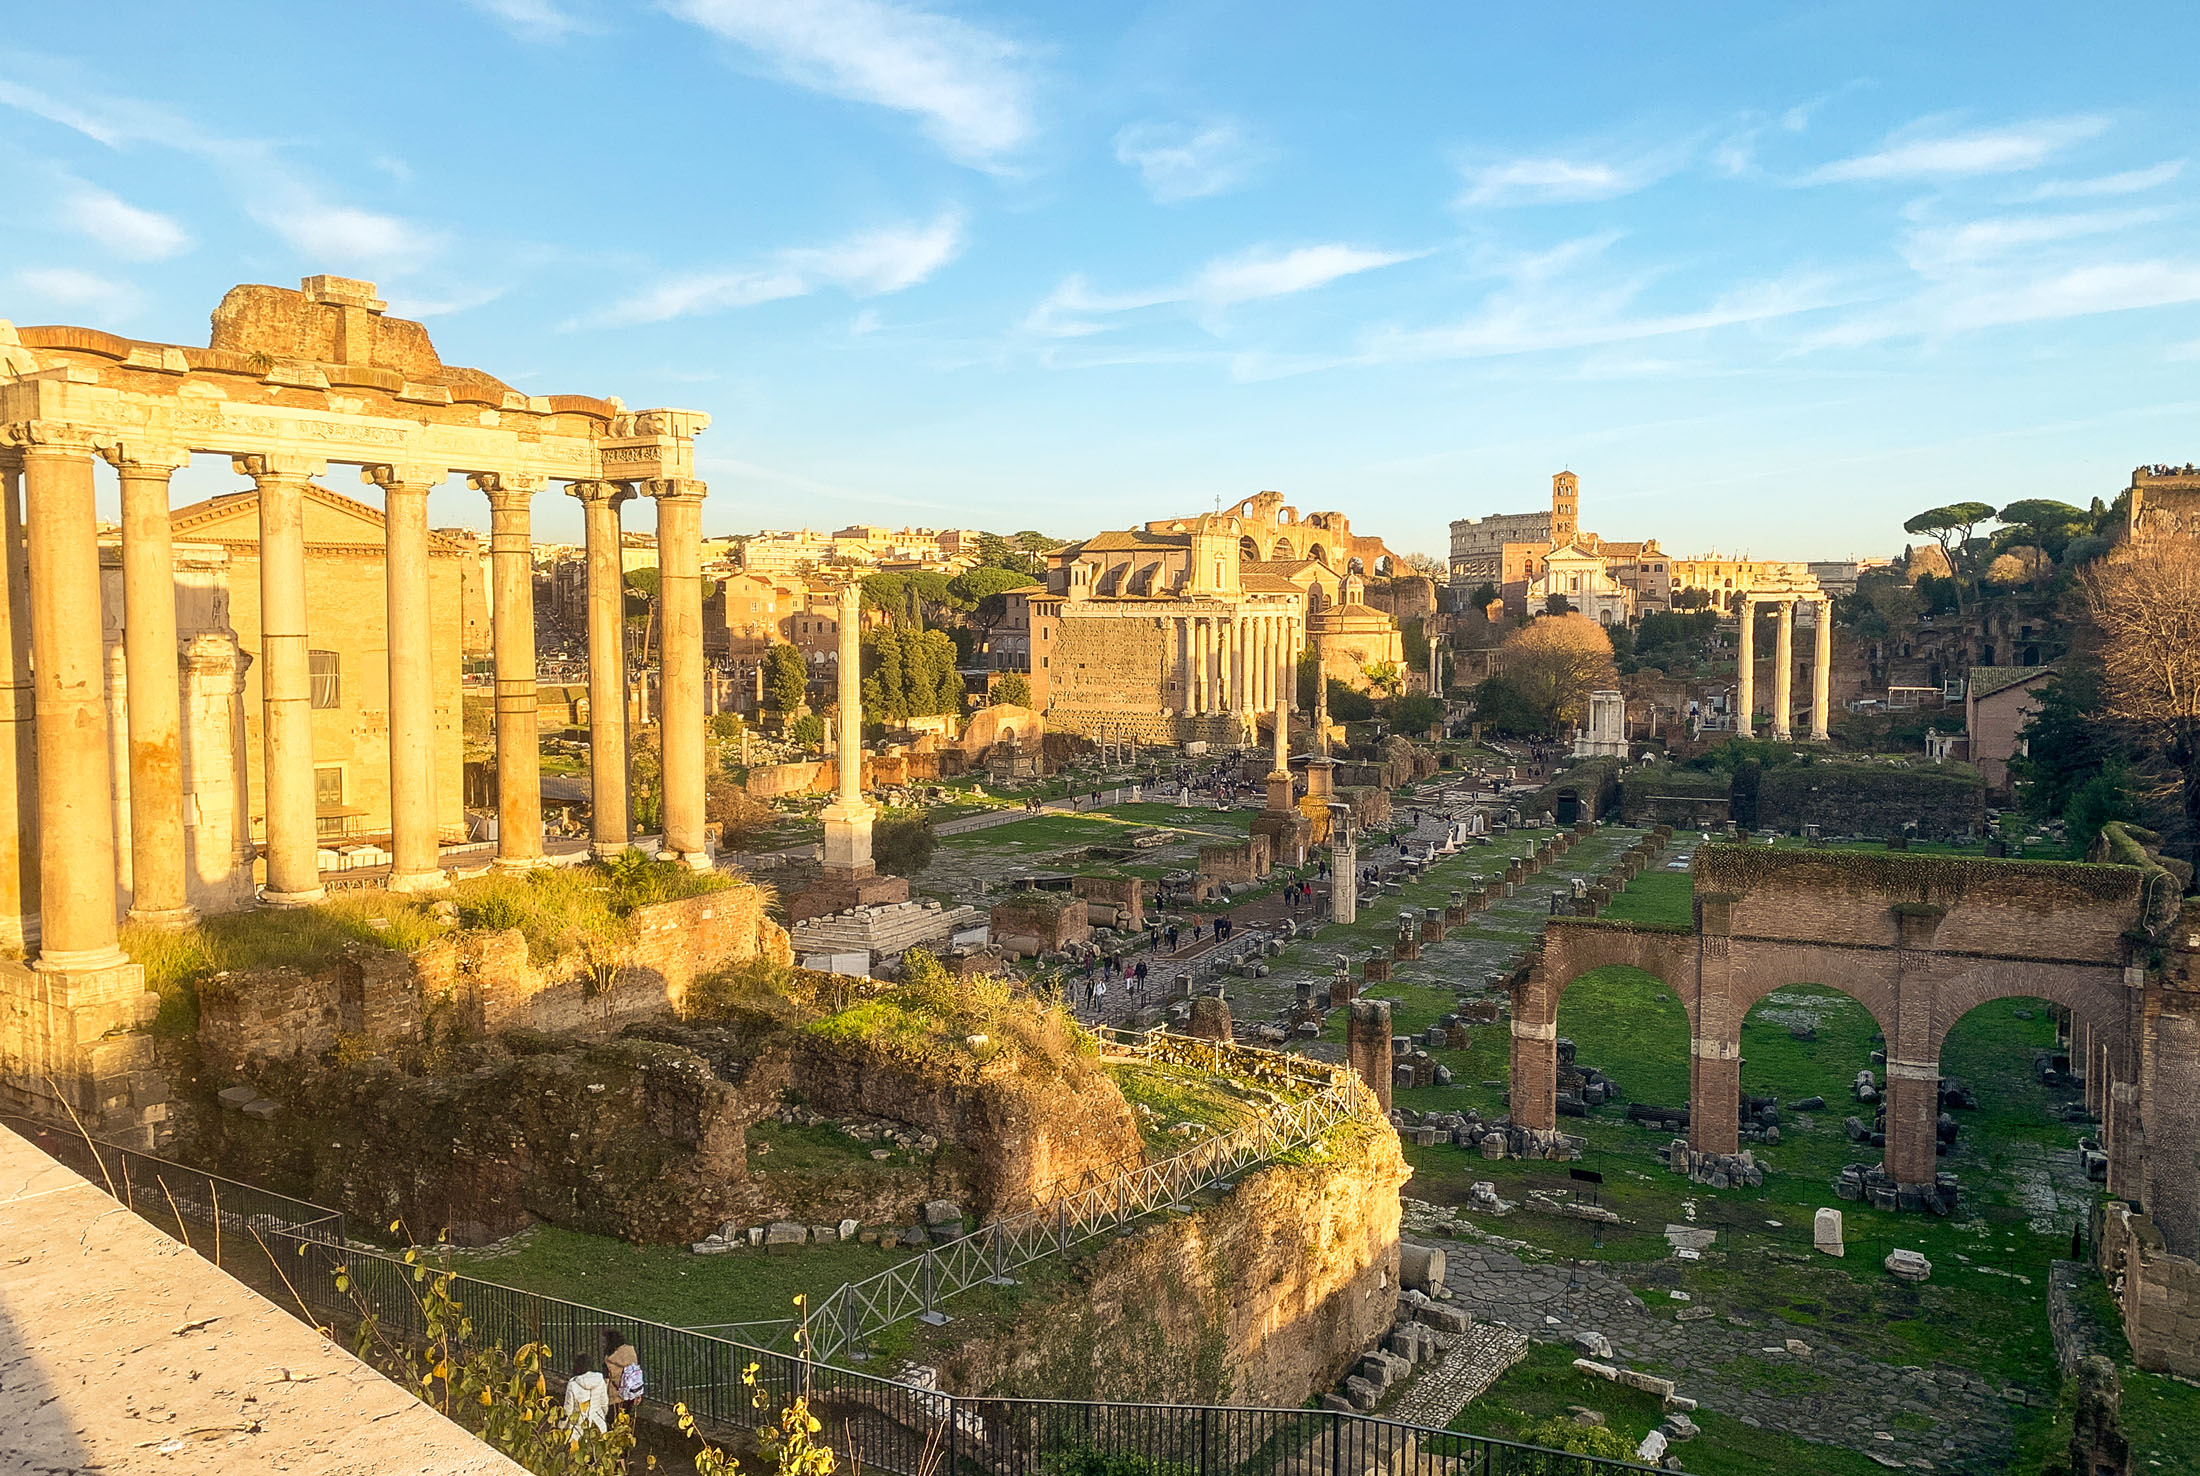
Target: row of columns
(1233, 663)
(1783, 675)
(53, 696)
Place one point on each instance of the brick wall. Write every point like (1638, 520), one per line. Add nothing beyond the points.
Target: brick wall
(1242, 865)
(1847, 799)
(2159, 1293)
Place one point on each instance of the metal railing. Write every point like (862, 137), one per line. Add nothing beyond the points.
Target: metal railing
(846, 1318)
(295, 1253)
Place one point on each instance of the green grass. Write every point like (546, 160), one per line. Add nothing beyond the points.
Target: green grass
(1657, 896)
(667, 1284)
(1177, 1094)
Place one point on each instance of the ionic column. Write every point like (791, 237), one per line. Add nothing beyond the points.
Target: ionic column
(75, 791)
(1821, 673)
(519, 749)
(1745, 695)
(415, 859)
(155, 685)
(680, 705)
(1783, 676)
(286, 681)
(19, 856)
(611, 818)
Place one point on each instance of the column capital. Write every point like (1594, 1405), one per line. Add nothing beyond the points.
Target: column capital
(260, 466)
(57, 437)
(671, 489)
(506, 491)
(144, 458)
(594, 493)
(396, 477)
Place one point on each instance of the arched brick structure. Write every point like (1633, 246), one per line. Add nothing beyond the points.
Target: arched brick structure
(1919, 942)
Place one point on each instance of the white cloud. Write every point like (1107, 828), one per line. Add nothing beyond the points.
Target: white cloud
(1258, 274)
(1553, 181)
(124, 229)
(1182, 161)
(970, 86)
(543, 21)
(2130, 182)
(1935, 249)
(2064, 291)
(869, 263)
(75, 289)
(1916, 155)
(345, 236)
(1074, 310)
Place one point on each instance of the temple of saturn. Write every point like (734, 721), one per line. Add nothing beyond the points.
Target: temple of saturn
(291, 384)
(1783, 669)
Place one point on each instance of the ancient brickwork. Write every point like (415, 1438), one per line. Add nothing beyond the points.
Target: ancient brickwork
(1052, 919)
(1244, 864)
(486, 979)
(2158, 1292)
(1918, 941)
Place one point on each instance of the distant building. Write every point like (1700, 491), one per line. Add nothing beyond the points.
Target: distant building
(1581, 578)
(1725, 579)
(1997, 702)
(2165, 502)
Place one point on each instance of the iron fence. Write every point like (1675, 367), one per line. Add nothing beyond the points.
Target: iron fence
(846, 1318)
(296, 1253)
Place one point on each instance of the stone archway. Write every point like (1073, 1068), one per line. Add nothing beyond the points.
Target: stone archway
(1282, 551)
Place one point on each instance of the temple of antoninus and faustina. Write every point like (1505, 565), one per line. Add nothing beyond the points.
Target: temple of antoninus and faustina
(292, 385)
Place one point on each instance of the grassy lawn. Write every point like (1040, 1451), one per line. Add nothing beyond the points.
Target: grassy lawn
(668, 1284)
(1175, 1094)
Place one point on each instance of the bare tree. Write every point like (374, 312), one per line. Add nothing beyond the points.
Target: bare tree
(2145, 602)
(1556, 661)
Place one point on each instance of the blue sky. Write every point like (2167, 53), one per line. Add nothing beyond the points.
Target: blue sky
(1769, 278)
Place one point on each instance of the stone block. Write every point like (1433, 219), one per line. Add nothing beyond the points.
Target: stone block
(1908, 1265)
(1825, 1232)
(1420, 1267)
(1594, 1345)
(1363, 1395)
(1648, 1383)
(784, 1235)
(1678, 1427)
(1444, 1319)
(1601, 1370)
(942, 1212)
(848, 1229)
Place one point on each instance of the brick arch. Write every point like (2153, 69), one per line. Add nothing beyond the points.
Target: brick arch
(1863, 979)
(1571, 948)
(2096, 996)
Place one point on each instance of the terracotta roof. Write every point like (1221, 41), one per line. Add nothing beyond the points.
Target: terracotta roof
(1256, 583)
(1987, 680)
(1127, 538)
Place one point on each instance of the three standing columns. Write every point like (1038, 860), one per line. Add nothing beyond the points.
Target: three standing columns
(414, 847)
(680, 572)
(1783, 674)
(75, 791)
(611, 816)
(519, 751)
(155, 686)
(286, 681)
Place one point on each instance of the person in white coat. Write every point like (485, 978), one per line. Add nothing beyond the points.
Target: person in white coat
(587, 1396)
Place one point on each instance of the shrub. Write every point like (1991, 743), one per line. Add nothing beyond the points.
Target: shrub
(1560, 1433)
(903, 844)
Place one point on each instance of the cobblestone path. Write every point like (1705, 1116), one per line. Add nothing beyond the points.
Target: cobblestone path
(1476, 1361)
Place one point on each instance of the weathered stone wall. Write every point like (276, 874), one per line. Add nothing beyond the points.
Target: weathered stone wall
(1261, 1298)
(1055, 919)
(1242, 864)
(1856, 799)
(910, 766)
(1126, 894)
(1033, 1133)
(486, 981)
(2159, 1293)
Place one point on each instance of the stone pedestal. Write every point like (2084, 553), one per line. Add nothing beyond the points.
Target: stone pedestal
(1210, 1019)
(1376, 970)
(71, 1041)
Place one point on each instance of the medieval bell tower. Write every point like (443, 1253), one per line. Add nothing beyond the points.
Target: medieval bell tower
(1565, 508)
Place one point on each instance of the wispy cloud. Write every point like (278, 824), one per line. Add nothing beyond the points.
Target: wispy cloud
(2050, 294)
(1551, 180)
(971, 87)
(544, 22)
(279, 196)
(1935, 249)
(2129, 182)
(1923, 153)
(124, 229)
(1185, 161)
(1075, 310)
(869, 263)
(74, 289)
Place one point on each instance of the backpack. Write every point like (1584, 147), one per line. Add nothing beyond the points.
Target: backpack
(630, 1382)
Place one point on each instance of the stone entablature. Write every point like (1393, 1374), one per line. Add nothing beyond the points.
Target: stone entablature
(291, 382)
